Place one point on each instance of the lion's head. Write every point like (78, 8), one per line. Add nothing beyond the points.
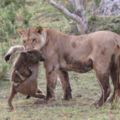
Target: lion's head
(33, 38)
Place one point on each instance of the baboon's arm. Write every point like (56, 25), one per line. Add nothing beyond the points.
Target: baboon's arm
(34, 73)
(29, 68)
(21, 77)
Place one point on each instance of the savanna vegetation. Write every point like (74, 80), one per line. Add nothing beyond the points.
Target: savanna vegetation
(15, 14)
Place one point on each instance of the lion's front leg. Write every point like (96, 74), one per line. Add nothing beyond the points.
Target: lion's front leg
(51, 84)
(64, 77)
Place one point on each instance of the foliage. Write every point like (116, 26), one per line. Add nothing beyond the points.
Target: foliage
(27, 16)
(104, 23)
(97, 2)
(18, 3)
(7, 18)
(9, 9)
(3, 69)
(8, 12)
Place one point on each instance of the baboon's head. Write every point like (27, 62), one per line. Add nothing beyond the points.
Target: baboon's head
(32, 56)
(33, 38)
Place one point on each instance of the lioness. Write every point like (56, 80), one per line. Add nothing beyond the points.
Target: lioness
(99, 51)
(24, 75)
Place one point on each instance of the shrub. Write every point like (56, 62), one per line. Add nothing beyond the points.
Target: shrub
(104, 23)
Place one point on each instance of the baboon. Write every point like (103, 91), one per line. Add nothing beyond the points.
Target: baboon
(24, 76)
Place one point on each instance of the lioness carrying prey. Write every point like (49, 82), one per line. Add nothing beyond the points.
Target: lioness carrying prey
(24, 75)
(99, 51)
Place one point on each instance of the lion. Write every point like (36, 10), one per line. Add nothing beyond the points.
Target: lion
(99, 51)
(24, 75)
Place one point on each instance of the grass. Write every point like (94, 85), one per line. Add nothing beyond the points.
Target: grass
(85, 88)
(85, 91)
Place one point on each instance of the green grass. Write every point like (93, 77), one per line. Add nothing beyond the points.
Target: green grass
(85, 91)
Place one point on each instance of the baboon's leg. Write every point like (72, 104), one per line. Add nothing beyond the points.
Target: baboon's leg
(64, 77)
(24, 88)
(12, 94)
(28, 96)
(30, 88)
(38, 95)
(20, 76)
(105, 88)
(51, 84)
(39, 91)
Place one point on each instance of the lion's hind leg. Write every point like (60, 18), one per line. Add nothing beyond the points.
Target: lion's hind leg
(102, 69)
(103, 80)
(115, 80)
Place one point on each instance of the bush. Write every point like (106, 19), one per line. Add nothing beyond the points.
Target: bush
(97, 2)
(104, 23)
(8, 11)
(8, 25)
(3, 71)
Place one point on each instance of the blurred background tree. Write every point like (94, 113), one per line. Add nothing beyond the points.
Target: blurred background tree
(79, 10)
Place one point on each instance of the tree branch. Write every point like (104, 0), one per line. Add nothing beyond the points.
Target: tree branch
(66, 12)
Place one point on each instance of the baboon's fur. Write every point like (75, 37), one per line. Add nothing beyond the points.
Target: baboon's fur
(24, 76)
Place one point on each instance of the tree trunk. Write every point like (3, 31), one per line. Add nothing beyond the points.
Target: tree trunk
(79, 10)
(78, 16)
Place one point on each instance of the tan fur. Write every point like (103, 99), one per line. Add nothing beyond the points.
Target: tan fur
(76, 53)
(24, 76)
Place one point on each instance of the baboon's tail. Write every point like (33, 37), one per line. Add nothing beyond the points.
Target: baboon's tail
(13, 50)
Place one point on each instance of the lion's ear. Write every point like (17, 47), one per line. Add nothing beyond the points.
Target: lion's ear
(39, 29)
(21, 31)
